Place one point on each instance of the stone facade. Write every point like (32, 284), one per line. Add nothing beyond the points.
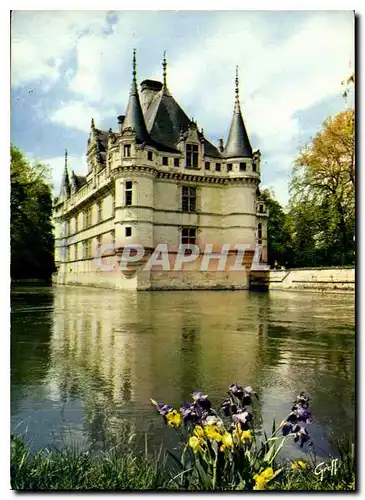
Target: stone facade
(159, 180)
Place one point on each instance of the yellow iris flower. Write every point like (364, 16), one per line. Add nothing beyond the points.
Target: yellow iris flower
(199, 431)
(299, 465)
(246, 436)
(212, 432)
(262, 479)
(194, 443)
(227, 441)
(174, 418)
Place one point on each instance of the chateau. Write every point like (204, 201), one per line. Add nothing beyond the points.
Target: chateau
(159, 180)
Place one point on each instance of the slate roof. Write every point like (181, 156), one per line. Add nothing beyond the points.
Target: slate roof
(238, 143)
(134, 116)
(165, 119)
(78, 180)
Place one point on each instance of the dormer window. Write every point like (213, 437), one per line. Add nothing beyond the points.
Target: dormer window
(192, 153)
(127, 150)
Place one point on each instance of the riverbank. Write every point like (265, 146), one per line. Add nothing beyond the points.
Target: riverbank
(127, 470)
(331, 279)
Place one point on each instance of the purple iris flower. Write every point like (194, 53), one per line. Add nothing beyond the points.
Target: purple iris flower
(301, 436)
(304, 415)
(228, 407)
(163, 409)
(236, 390)
(201, 402)
(242, 417)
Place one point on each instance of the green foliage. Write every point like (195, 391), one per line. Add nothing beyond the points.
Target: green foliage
(322, 202)
(72, 470)
(126, 470)
(32, 240)
(279, 242)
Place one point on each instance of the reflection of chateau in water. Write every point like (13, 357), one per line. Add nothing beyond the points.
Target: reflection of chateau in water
(113, 351)
(121, 349)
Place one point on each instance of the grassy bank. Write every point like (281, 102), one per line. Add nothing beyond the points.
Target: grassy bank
(71, 470)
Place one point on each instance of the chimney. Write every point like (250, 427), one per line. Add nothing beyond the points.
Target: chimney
(220, 145)
(149, 88)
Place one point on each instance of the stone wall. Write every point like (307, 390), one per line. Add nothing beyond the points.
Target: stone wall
(330, 279)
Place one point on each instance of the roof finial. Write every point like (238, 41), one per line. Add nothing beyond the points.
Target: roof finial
(65, 159)
(134, 72)
(164, 66)
(92, 123)
(237, 98)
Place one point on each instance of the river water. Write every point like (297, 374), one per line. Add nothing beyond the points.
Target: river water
(84, 362)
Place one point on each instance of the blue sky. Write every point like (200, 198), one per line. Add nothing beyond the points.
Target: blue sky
(69, 66)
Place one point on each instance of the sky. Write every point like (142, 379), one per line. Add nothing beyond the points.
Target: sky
(70, 66)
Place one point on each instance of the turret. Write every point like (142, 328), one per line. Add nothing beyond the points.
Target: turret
(238, 143)
(134, 117)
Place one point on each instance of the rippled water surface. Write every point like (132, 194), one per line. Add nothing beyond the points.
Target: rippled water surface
(86, 361)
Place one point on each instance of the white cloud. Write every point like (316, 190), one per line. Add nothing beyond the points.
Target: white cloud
(75, 114)
(288, 63)
(41, 40)
(57, 165)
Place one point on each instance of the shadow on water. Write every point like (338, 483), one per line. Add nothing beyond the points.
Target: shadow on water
(85, 362)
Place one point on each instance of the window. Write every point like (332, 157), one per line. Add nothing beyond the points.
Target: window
(127, 150)
(261, 209)
(67, 228)
(165, 160)
(149, 155)
(98, 242)
(188, 199)
(259, 234)
(207, 165)
(253, 167)
(217, 167)
(176, 162)
(76, 250)
(87, 218)
(243, 167)
(192, 156)
(113, 205)
(100, 211)
(128, 193)
(188, 236)
(76, 224)
(128, 231)
(87, 249)
(68, 253)
(229, 167)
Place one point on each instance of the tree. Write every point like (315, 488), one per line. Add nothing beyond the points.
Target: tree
(32, 240)
(278, 232)
(322, 203)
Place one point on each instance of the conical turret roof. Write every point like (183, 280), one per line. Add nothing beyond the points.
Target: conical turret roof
(134, 116)
(65, 185)
(238, 143)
